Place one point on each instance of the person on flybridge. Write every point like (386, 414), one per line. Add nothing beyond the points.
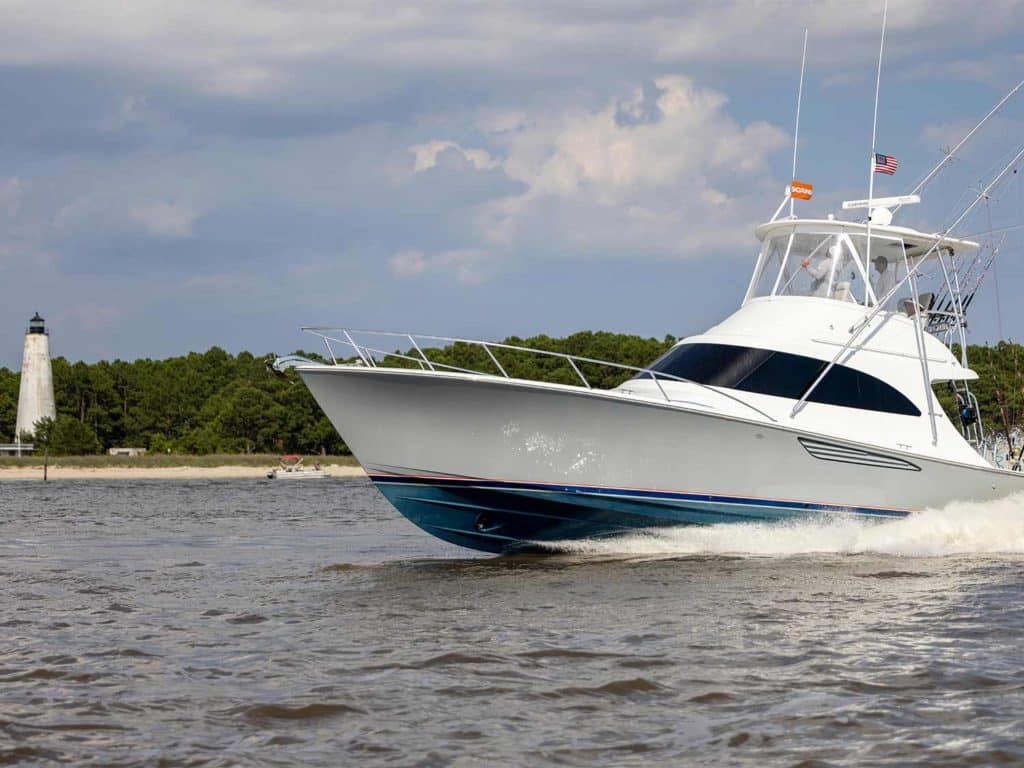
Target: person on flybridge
(820, 269)
(885, 278)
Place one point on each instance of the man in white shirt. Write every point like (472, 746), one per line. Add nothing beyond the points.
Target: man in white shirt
(820, 270)
(885, 277)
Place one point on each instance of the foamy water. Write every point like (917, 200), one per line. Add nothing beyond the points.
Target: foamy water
(995, 527)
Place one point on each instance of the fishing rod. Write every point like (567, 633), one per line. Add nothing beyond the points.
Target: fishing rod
(1015, 389)
(1006, 425)
(996, 231)
(930, 176)
(968, 280)
(969, 277)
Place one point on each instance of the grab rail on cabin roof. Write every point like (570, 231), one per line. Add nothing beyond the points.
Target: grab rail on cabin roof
(367, 355)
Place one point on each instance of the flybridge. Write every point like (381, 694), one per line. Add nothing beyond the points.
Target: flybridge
(915, 243)
(879, 266)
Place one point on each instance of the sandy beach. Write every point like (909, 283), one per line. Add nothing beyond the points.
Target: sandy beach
(57, 472)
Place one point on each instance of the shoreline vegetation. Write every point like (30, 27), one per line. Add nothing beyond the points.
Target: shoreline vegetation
(161, 466)
(215, 409)
(214, 402)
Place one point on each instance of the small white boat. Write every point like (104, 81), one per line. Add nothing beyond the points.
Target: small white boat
(291, 468)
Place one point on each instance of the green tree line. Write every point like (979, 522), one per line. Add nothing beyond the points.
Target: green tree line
(1000, 384)
(216, 402)
(210, 402)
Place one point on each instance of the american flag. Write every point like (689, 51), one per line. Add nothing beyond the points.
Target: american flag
(886, 164)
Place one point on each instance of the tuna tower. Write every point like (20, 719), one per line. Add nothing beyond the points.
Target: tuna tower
(35, 397)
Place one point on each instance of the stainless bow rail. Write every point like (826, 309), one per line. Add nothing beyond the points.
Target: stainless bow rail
(368, 356)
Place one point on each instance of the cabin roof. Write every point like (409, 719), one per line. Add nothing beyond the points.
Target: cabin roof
(916, 243)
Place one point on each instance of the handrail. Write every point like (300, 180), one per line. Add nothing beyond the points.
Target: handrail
(366, 353)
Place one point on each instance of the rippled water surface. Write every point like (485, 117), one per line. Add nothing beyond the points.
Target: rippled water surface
(251, 623)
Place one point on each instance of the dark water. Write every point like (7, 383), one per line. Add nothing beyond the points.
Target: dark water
(245, 623)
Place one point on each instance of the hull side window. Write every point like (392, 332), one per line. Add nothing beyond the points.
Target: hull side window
(781, 374)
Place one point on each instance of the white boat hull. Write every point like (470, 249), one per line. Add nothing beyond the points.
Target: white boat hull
(297, 474)
(499, 464)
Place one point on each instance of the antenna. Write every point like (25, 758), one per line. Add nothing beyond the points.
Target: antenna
(874, 129)
(796, 131)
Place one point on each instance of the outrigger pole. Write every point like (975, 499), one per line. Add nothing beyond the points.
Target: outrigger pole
(970, 134)
(874, 129)
(796, 130)
(788, 195)
(872, 165)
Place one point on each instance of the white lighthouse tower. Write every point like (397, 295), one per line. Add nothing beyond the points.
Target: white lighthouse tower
(35, 398)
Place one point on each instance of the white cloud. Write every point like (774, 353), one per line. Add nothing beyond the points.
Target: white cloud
(108, 210)
(131, 110)
(91, 316)
(164, 219)
(492, 136)
(252, 48)
(469, 266)
(408, 263)
(664, 172)
(73, 213)
(992, 68)
(11, 191)
(947, 134)
(243, 80)
(426, 155)
(999, 131)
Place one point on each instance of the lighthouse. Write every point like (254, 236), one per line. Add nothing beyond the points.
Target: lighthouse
(35, 397)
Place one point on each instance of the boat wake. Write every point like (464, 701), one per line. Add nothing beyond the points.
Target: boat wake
(994, 527)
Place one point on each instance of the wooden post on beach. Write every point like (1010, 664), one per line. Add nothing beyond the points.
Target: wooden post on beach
(43, 435)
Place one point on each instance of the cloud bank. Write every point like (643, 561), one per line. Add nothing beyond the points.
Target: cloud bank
(244, 164)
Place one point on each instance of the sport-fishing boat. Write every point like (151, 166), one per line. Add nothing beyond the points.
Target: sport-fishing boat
(816, 396)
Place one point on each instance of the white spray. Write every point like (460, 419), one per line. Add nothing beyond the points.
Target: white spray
(959, 528)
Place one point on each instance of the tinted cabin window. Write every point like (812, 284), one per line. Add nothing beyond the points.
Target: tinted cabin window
(782, 375)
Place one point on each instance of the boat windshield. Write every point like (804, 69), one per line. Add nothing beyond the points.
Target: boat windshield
(832, 265)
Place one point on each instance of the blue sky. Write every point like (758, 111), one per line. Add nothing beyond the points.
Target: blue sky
(174, 176)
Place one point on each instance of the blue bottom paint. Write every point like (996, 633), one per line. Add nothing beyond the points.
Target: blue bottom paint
(496, 516)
